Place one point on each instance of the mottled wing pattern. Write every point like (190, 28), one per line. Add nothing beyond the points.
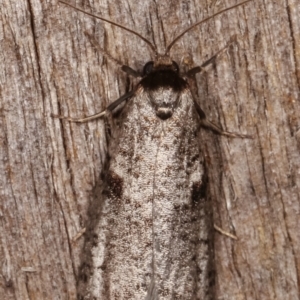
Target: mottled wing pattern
(152, 238)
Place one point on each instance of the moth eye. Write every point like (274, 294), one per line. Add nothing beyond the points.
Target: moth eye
(148, 68)
(175, 66)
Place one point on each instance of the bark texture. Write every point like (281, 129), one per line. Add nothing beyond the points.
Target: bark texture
(49, 168)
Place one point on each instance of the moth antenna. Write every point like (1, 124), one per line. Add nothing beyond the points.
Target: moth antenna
(200, 22)
(113, 23)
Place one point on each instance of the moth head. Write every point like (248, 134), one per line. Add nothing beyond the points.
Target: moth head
(162, 62)
(163, 84)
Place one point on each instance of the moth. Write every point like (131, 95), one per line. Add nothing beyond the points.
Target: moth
(150, 234)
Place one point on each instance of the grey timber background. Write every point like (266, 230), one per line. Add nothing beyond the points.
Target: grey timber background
(49, 168)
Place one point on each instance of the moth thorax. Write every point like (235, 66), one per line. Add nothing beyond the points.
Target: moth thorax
(164, 101)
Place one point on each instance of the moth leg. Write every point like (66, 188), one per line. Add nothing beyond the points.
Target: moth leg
(111, 107)
(80, 120)
(124, 68)
(219, 229)
(131, 71)
(211, 126)
(203, 121)
(192, 72)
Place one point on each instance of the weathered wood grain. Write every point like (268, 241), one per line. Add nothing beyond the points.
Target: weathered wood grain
(49, 168)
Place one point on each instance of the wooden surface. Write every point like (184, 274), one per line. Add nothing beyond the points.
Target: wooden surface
(48, 167)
